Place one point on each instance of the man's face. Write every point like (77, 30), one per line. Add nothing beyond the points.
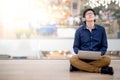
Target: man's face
(89, 16)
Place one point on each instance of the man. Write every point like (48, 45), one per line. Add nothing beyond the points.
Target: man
(91, 37)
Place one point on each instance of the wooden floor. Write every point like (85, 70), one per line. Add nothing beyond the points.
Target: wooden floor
(49, 70)
(34, 70)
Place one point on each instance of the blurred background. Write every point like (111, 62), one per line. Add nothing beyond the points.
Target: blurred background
(45, 29)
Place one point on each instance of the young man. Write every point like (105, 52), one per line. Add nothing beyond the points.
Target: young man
(91, 37)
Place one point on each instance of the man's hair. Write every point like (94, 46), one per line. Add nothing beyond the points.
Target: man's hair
(87, 11)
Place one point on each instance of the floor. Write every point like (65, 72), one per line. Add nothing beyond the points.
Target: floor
(49, 70)
(97, 76)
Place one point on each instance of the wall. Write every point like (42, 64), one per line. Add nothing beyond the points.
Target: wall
(33, 47)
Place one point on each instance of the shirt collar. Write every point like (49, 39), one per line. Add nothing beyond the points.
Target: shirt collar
(85, 26)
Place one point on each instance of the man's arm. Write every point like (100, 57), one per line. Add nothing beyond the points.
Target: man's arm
(76, 42)
(104, 44)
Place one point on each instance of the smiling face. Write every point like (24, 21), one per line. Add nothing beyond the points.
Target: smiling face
(89, 16)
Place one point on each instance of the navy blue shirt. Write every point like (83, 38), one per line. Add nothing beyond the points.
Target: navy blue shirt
(96, 40)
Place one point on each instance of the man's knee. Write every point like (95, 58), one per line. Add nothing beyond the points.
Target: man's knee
(73, 59)
(106, 59)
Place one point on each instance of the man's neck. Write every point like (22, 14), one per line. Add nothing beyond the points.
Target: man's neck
(90, 25)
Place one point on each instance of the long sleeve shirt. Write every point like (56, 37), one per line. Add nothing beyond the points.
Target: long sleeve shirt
(96, 40)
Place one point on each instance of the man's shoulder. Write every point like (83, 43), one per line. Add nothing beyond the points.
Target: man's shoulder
(99, 26)
(81, 27)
